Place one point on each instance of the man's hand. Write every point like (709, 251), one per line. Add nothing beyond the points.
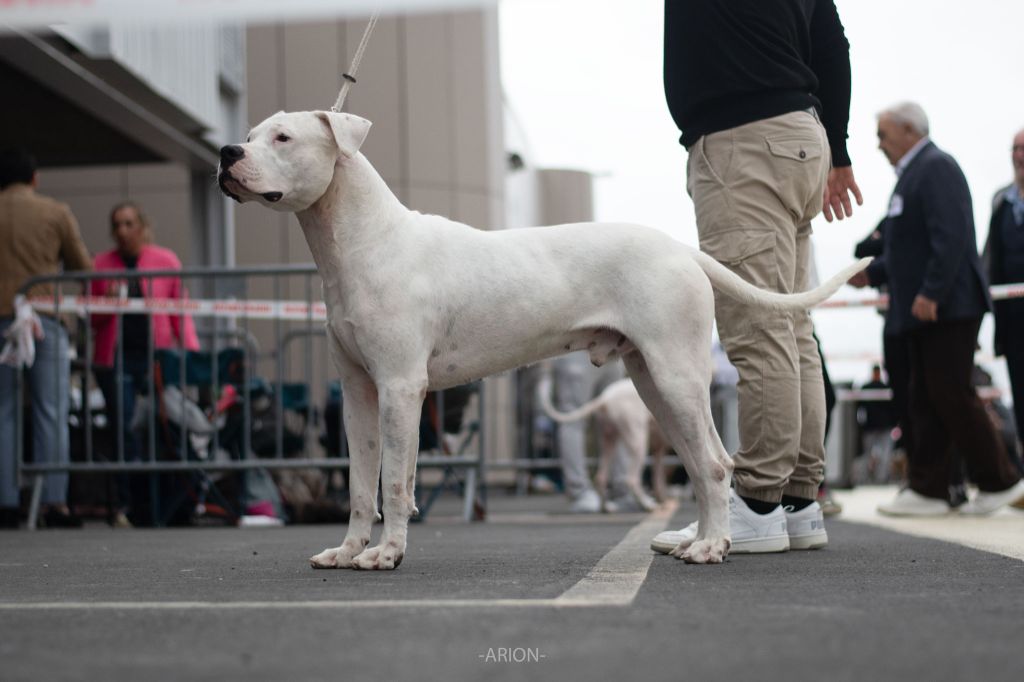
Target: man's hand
(838, 187)
(925, 309)
(859, 280)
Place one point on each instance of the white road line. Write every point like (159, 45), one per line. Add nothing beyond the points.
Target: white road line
(618, 576)
(614, 581)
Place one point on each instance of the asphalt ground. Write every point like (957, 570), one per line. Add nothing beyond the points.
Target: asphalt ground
(530, 594)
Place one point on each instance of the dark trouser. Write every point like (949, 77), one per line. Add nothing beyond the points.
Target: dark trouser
(945, 412)
(896, 352)
(1014, 347)
(132, 382)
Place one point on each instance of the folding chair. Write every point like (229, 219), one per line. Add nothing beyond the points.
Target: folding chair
(198, 370)
(438, 420)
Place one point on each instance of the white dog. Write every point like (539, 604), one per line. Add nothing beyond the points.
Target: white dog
(622, 418)
(418, 302)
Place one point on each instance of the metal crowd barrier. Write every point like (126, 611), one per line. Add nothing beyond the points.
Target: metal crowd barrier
(242, 337)
(228, 316)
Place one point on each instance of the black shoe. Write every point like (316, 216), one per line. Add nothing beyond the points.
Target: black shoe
(9, 518)
(56, 519)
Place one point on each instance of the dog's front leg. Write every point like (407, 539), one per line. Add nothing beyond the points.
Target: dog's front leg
(361, 427)
(400, 404)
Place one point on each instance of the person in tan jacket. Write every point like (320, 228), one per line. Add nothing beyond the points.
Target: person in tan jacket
(38, 236)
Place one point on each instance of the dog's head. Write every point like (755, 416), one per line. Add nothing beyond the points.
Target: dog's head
(287, 161)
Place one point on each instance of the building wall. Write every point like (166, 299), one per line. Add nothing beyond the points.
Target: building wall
(430, 84)
(162, 190)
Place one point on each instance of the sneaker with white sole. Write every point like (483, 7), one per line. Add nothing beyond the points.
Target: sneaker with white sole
(987, 503)
(751, 533)
(806, 527)
(910, 503)
(589, 502)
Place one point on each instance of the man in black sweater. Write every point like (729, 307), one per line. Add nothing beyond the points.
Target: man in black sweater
(761, 92)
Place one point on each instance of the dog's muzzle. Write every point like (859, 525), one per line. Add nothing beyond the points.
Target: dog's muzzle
(230, 154)
(222, 177)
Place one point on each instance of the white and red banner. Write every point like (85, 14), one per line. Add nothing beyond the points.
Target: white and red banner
(254, 309)
(265, 309)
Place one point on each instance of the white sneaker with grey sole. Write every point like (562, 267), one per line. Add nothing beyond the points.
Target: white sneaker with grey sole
(806, 527)
(910, 503)
(751, 533)
(589, 502)
(987, 503)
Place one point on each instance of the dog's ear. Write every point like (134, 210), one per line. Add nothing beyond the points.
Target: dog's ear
(347, 130)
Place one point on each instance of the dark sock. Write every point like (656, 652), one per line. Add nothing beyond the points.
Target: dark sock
(759, 506)
(795, 504)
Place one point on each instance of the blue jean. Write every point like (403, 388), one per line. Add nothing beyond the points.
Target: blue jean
(49, 381)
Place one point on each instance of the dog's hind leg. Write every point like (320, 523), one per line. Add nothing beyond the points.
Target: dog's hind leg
(659, 477)
(677, 393)
(609, 441)
(360, 407)
(401, 400)
(635, 436)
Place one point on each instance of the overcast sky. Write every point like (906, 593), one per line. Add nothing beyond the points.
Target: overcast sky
(584, 78)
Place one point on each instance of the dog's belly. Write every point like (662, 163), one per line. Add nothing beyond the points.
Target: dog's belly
(475, 360)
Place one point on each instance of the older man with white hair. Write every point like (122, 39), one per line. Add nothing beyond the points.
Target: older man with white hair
(937, 297)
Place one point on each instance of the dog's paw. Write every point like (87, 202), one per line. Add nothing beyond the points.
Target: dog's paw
(383, 557)
(706, 551)
(335, 557)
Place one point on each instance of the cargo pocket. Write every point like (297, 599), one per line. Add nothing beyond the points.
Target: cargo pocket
(796, 147)
(799, 168)
(750, 254)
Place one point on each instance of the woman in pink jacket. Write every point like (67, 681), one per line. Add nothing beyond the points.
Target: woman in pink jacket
(131, 233)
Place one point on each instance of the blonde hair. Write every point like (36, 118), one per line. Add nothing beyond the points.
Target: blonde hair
(147, 227)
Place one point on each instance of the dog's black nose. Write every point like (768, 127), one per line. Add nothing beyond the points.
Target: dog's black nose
(231, 153)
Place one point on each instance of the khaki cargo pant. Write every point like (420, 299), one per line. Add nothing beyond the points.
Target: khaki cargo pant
(755, 189)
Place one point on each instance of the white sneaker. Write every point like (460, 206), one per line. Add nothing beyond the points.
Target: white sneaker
(986, 503)
(589, 502)
(751, 533)
(806, 527)
(909, 503)
(630, 503)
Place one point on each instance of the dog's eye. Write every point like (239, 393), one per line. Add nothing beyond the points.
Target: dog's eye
(282, 138)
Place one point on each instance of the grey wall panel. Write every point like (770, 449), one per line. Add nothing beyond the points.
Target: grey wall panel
(67, 181)
(470, 119)
(378, 95)
(91, 210)
(436, 200)
(429, 95)
(311, 53)
(474, 209)
(160, 177)
(263, 60)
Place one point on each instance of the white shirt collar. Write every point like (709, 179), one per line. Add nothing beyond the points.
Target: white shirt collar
(902, 164)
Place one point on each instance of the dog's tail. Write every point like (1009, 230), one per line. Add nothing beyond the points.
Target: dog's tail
(727, 282)
(581, 412)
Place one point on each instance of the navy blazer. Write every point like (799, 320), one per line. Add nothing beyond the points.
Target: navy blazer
(1008, 314)
(930, 246)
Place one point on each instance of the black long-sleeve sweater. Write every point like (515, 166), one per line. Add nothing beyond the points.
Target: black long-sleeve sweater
(730, 62)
